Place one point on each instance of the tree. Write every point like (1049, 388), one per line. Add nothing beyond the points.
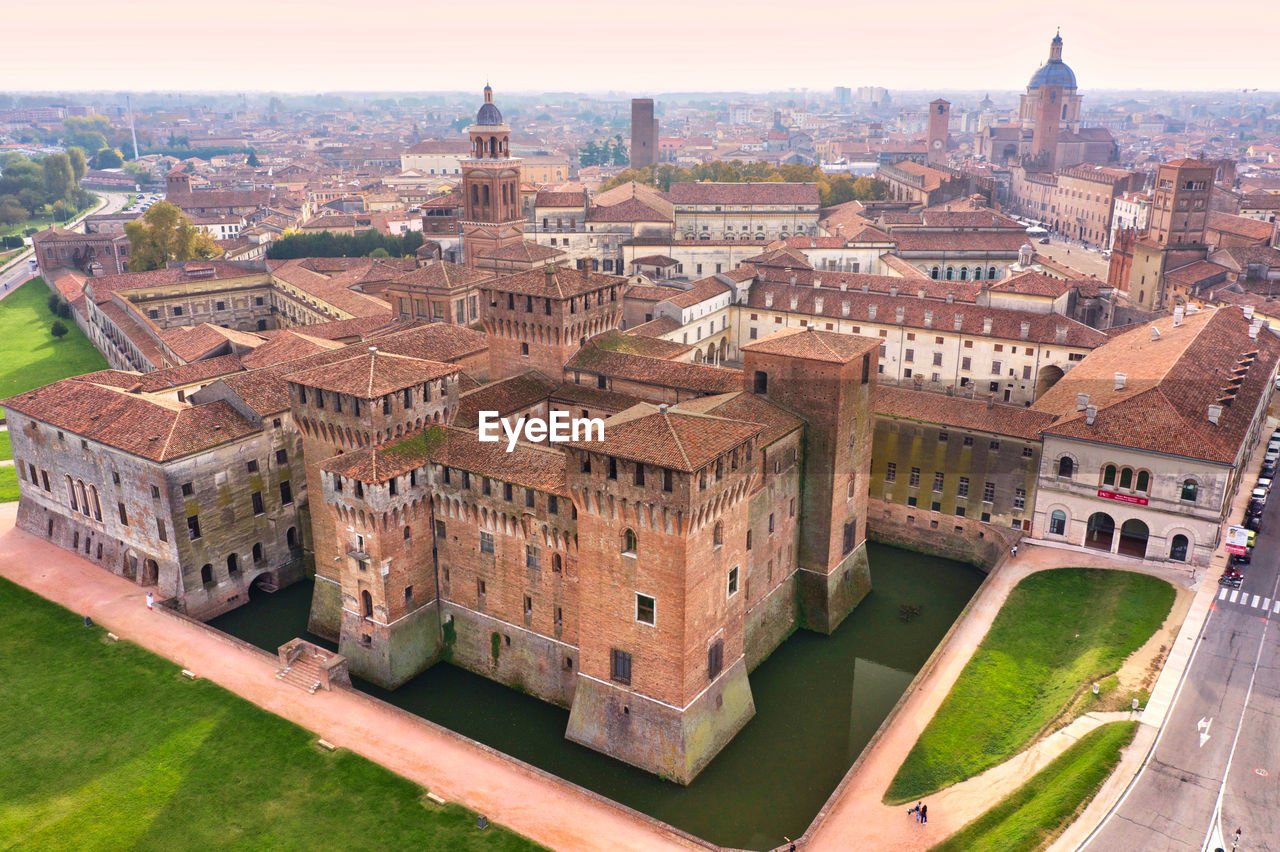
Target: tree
(52, 302)
(140, 173)
(11, 211)
(59, 179)
(164, 234)
(21, 174)
(108, 158)
(61, 210)
(253, 159)
(379, 252)
(87, 132)
(78, 164)
(58, 329)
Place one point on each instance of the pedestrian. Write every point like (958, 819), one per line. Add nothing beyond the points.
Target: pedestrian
(151, 600)
(1014, 551)
(924, 814)
(914, 813)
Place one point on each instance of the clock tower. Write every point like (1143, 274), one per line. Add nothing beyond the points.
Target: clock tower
(939, 118)
(491, 217)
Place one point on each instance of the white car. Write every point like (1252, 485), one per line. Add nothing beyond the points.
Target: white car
(1264, 482)
(1259, 494)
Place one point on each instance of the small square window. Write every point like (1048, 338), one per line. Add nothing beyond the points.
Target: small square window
(188, 489)
(646, 609)
(252, 465)
(733, 581)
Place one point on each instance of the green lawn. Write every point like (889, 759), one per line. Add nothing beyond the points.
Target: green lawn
(29, 355)
(6, 451)
(106, 746)
(1031, 817)
(44, 220)
(8, 484)
(1057, 633)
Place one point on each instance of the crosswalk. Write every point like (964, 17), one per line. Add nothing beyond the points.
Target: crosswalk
(1228, 595)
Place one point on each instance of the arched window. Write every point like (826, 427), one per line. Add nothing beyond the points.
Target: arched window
(1189, 489)
(717, 534)
(97, 507)
(991, 273)
(1144, 482)
(1066, 467)
(1057, 522)
(951, 273)
(964, 273)
(1178, 548)
(257, 552)
(1126, 477)
(206, 574)
(557, 564)
(71, 492)
(291, 537)
(233, 564)
(629, 542)
(1109, 475)
(407, 534)
(366, 600)
(933, 273)
(977, 273)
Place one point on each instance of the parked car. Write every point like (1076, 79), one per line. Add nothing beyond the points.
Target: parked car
(1254, 508)
(1269, 469)
(1264, 482)
(1044, 241)
(1239, 561)
(1258, 493)
(1253, 524)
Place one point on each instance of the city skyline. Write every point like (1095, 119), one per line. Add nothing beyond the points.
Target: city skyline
(519, 50)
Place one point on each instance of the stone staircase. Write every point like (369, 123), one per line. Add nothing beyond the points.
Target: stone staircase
(303, 673)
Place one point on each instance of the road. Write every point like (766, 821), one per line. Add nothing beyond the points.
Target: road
(21, 269)
(1088, 262)
(1202, 780)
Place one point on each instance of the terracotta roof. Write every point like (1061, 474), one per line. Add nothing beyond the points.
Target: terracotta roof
(194, 270)
(631, 210)
(556, 282)
(554, 198)
(630, 343)
(1193, 274)
(656, 327)
(744, 193)
(596, 398)
(998, 242)
(811, 344)
(658, 260)
(286, 346)
(437, 341)
(443, 275)
(528, 465)
(189, 374)
(505, 396)
(153, 428)
(371, 374)
(192, 342)
(1032, 283)
(1241, 226)
(1170, 383)
(958, 412)
(670, 438)
(525, 251)
(749, 408)
(457, 145)
(702, 290)
(654, 371)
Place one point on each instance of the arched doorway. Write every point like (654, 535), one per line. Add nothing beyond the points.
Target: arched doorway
(150, 573)
(711, 353)
(1100, 531)
(366, 600)
(1047, 378)
(1133, 538)
(1178, 548)
(724, 348)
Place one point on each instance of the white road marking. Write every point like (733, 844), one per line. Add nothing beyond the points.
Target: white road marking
(1256, 598)
(1234, 594)
(1222, 595)
(1266, 603)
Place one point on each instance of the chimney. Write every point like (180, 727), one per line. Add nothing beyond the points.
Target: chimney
(1215, 412)
(817, 305)
(986, 325)
(871, 312)
(1025, 330)
(768, 300)
(662, 408)
(1060, 334)
(893, 289)
(1082, 401)
(551, 274)
(844, 286)
(1253, 331)
(959, 322)
(928, 319)
(1248, 312)
(844, 309)
(1155, 333)
(794, 302)
(866, 286)
(1178, 313)
(1089, 414)
(951, 297)
(898, 316)
(817, 282)
(1120, 379)
(920, 293)
(991, 400)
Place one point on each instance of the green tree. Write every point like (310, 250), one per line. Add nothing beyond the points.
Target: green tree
(59, 179)
(164, 234)
(21, 173)
(87, 132)
(11, 211)
(253, 159)
(58, 329)
(62, 211)
(379, 252)
(108, 158)
(78, 163)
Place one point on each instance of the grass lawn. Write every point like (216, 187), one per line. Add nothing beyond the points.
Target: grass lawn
(1031, 817)
(8, 484)
(29, 355)
(6, 451)
(106, 746)
(1058, 632)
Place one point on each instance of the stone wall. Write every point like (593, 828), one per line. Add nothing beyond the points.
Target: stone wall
(961, 539)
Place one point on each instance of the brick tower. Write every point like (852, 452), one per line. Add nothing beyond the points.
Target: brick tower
(939, 118)
(345, 405)
(662, 509)
(491, 217)
(828, 380)
(644, 134)
(539, 319)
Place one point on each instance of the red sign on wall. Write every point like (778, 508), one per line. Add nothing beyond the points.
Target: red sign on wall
(1123, 498)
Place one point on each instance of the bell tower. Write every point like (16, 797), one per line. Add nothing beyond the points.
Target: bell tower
(491, 217)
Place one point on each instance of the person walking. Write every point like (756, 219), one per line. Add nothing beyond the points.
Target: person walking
(151, 600)
(924, 813)
(1014, 551)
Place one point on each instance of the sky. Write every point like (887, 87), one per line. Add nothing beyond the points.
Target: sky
(649, 46)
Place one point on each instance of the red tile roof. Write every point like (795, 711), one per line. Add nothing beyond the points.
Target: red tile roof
(670, 438)
(810, 344)
(371, 374)
(744, 193)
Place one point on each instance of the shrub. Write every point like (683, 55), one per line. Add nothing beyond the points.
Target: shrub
(54, 298)
(58, 329)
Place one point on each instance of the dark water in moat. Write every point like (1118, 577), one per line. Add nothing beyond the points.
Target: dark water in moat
(818, 701)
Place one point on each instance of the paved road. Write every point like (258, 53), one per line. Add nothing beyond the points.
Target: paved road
(22, 269)
(1088, 262)
(1235, 675)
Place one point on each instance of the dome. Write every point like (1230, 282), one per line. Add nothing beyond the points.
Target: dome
(1055, 72)
(488, 114)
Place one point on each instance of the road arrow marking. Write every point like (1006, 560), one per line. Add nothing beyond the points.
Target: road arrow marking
(1203, 727)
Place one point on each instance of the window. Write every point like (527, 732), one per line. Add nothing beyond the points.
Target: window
(528, 498)
(1057, 522)
(486, 542)
(733, 581)
(553, 504)
(995, 368)
(909, 356)
(937, 482)
(160, 529)
(508, 492)
(193, 527)
(966, 363)
(988, 492)
(771, 523)
(1027, 452)
(715, 658)
(666, 479)
(962, 490)
(850, 536)
(891, 472)
(528, 605)
(914, 480)
(717, 535)
(994, 445)
(619, 666)
(1066, 467)
(646, 609)
(943, 437)
(761, 381)
(206, 574)
(257, 502)
(252, 466)
(187, 489)
(282, 457)
(1019, 498)
(532, 556)
(1126, 478)
(1109, 475)
(629, 542)
(481, 590)
(1189, 488)
(286, 493)
(486, 487)
(1144, 482)
(937, 359)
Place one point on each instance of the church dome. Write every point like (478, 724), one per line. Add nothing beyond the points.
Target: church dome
(488, 113)
(1055, 72)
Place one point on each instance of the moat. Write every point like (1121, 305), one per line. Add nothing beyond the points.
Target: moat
(818, 701)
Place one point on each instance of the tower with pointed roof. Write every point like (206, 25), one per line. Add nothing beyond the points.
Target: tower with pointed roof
(491, 217)
(1050, 105)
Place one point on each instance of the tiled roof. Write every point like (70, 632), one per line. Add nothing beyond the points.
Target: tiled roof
(284, 347)
(189, 374)
(998, 242)
(1170, 383)
(193, 342)
(528, 465)
(811, 344)
(178, 273)
(505, 396)
(153, 428)
(747, 407)
(702, 290)
(571, 394)
(1032, 283)
(554, 198)
(457, 145)
(371, 374)
(1196, 273)
(1241, 226)
(630, 343)
(437, 341)
(656, 327)
(332, 282)
(525, 251)
(655, 371)
(556, 282)
(631, 210)
(744, 193)
(443, 275)
(960, 413)
(670, 438)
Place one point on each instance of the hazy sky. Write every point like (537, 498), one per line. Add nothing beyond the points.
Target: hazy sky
(640, 46)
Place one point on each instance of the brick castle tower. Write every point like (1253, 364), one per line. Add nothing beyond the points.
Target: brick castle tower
(491, 217)
(939, 118)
